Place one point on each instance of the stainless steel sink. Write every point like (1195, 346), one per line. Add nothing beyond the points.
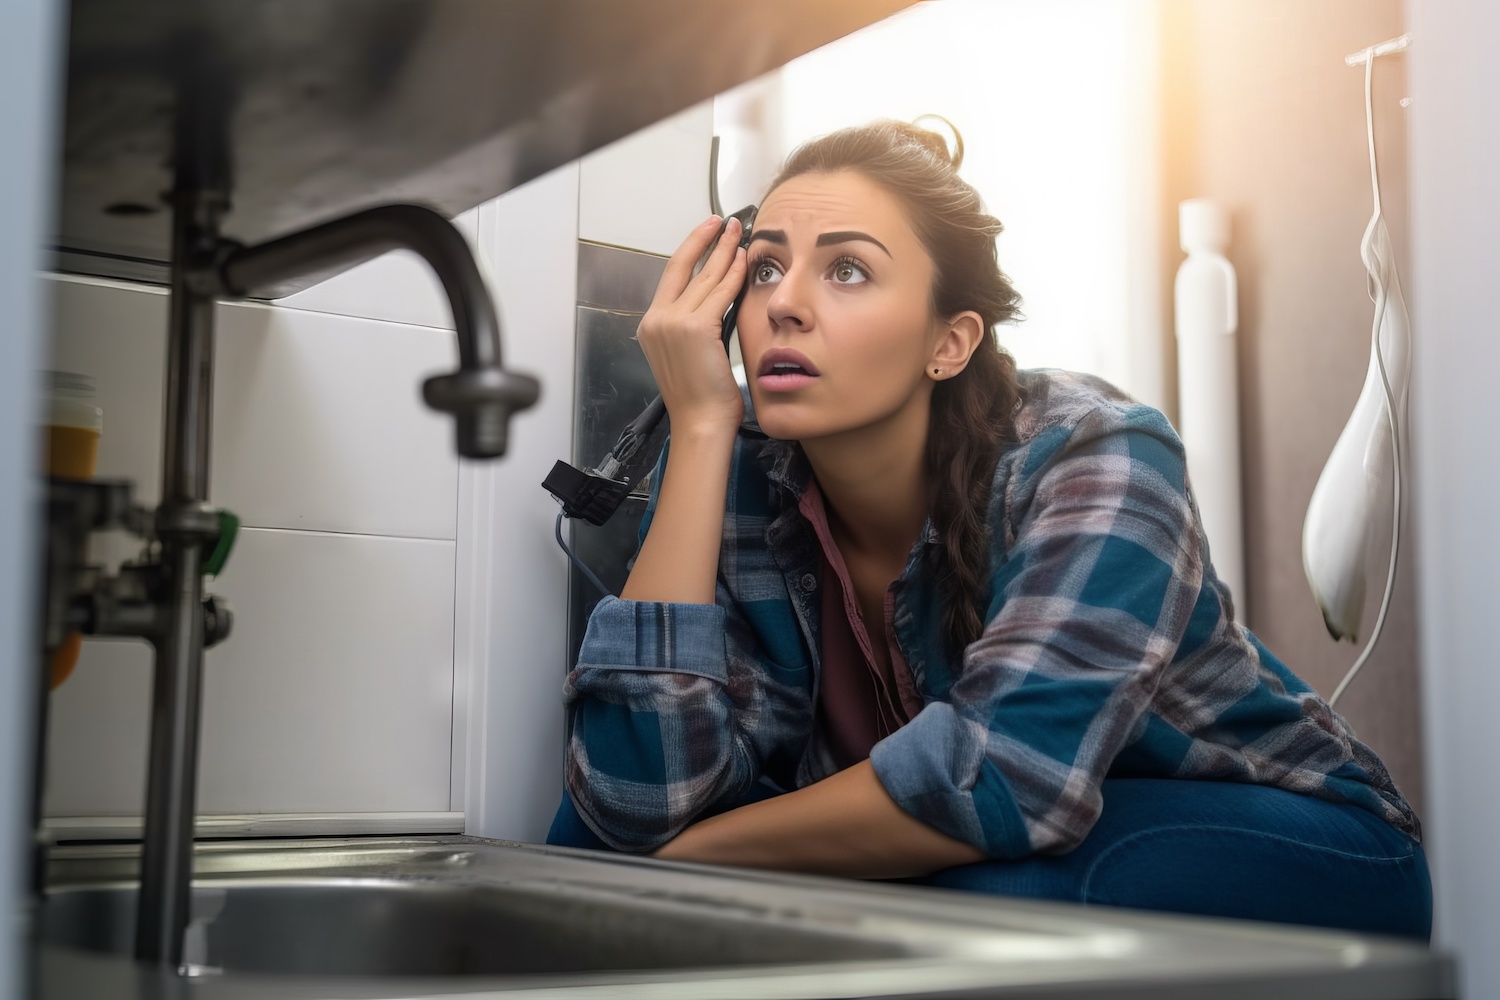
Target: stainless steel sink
(423, 927)
(429, 916)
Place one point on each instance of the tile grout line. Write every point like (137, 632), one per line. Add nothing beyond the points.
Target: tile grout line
(347, 534)
(125, 285)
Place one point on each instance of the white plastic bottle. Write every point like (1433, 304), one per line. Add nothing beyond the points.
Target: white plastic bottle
(1207, 309)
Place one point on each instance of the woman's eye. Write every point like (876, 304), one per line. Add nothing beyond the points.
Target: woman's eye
(848, 272)
(764, 273)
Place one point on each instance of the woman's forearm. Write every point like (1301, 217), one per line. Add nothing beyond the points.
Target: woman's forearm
(679, 560)
(844, 825)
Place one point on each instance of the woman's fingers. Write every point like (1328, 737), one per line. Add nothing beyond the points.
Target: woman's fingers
(729, 285)
(679, 270)
(719, 260)
(679, 332)
(718, 263)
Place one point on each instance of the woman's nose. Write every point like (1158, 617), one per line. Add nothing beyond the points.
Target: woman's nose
(788, 306)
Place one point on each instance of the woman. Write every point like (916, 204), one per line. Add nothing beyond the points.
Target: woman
(926, 617)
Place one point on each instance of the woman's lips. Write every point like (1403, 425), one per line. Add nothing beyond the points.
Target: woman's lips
(783, 369)
(786, 382)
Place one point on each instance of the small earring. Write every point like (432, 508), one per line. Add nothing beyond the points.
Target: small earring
(934, 371)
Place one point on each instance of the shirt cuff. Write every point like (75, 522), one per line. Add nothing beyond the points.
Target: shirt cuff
(934, 767)
(656, 636)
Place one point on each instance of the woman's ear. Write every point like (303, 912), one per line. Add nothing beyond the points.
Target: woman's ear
(959, 337)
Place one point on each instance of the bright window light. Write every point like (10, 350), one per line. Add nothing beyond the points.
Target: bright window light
(1043, 94)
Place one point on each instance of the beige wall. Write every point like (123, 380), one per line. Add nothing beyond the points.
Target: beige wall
(1262, 114)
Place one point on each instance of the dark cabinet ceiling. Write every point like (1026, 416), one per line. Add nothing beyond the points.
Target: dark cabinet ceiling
(302, 110)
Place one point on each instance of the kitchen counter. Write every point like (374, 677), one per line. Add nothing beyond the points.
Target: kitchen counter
(425, 917)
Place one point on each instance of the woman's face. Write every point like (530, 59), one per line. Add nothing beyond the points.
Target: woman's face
(837, 325)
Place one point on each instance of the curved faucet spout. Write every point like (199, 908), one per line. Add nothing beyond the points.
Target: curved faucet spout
(481, 395)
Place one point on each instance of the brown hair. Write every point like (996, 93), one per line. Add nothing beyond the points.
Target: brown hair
(973, 413)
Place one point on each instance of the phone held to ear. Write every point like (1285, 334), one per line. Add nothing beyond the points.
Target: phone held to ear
(595, 494)
(746, 217)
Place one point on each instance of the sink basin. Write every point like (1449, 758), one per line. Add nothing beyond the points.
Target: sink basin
(423, 917)
(363, 926)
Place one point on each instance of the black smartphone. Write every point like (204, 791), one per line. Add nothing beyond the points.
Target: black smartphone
(595, 494)
(746, 216)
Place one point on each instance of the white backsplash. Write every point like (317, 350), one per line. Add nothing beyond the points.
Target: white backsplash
(337, 696)
(335, 691)
(647, 191)
(319, 424)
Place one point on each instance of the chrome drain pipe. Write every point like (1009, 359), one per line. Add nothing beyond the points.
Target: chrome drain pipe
(176, 698)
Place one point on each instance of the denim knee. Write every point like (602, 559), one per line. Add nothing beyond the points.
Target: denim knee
(1229, 850)
(1254, 875)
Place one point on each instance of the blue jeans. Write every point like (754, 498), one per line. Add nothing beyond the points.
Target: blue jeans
(1219, 849)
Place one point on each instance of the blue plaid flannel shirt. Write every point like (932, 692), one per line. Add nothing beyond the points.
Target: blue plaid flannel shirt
(1110, 651)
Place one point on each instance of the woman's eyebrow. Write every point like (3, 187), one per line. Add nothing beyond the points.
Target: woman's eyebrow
(778, 237)
(849, 236)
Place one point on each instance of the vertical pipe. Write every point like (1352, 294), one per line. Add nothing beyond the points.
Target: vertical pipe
(167, 852)
(1208, 396)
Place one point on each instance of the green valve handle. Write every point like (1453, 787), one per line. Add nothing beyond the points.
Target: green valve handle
(229, 528)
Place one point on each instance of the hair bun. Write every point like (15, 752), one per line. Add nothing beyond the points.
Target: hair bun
(952, 153)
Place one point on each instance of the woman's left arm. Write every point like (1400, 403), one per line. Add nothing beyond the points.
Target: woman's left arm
(843, 825)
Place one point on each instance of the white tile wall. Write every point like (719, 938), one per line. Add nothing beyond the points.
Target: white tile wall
(319, 423)
(334, 694)
(318, 419)
(335, 691)
(512, 596)
(648, 190)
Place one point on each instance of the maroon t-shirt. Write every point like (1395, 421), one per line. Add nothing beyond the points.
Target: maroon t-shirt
(859, 704)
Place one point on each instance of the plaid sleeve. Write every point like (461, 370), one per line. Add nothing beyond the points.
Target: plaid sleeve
(651, 724)
(672, 711)
(1089, 604)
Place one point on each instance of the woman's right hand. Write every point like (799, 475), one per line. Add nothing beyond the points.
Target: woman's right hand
(680, 332)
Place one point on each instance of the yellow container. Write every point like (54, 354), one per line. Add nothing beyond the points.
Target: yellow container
(74, 425)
